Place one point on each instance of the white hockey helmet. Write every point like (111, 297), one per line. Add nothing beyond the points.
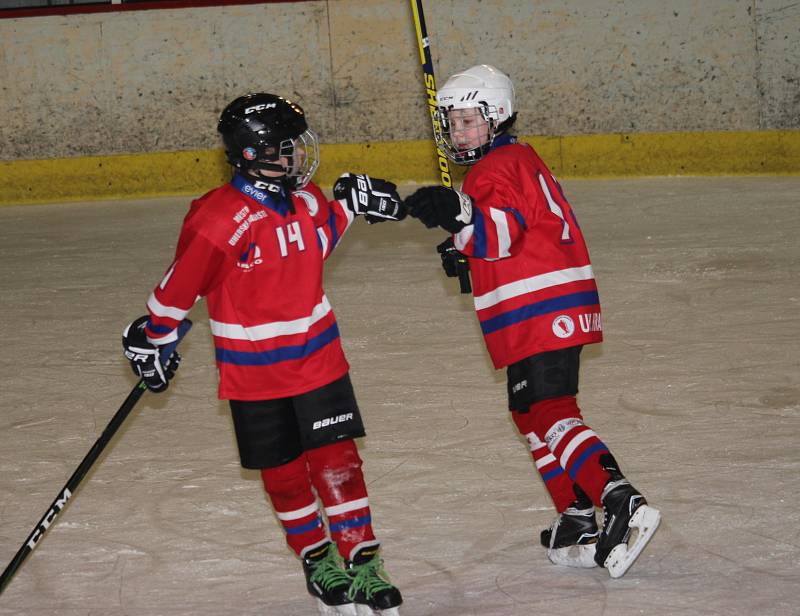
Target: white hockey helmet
(481, 87)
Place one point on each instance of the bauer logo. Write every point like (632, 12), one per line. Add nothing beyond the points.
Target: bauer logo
(330, 421)
(563, 326)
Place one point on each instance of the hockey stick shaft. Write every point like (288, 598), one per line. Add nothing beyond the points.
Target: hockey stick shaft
(430, 90)
(83, 468)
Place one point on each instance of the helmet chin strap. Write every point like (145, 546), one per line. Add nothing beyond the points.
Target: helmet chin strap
(269, 166)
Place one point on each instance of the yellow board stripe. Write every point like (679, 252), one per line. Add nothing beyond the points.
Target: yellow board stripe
(585, 156)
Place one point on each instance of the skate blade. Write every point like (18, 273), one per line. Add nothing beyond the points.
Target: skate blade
(365, 610)
(348, 609)
(581, 556)
(645, 521)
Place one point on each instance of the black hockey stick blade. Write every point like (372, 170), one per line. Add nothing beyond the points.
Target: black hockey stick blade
(72, 484)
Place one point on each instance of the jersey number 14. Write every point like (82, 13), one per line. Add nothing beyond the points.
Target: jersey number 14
(290, 234)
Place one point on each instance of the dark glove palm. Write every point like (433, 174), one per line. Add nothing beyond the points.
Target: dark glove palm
(437, 206)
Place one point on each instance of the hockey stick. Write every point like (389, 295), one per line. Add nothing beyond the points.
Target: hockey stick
(72, 484)
(462, 265)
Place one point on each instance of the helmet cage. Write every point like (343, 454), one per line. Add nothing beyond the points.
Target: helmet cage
(301, 154)
(444, 133)
(302, 157)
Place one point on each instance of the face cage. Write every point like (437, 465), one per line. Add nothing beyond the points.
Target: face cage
(303, 165)
(442, 132)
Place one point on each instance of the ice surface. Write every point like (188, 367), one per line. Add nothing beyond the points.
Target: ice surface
(696, 389)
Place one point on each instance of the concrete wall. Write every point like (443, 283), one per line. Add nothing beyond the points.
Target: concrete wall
(149, 81)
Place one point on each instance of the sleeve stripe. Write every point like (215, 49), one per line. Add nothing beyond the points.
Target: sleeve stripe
(348, 214)
(503, 235)
(334, 231)
(479, 235)
(160, 310)
(162, 340)
(323, 242)
(462, 238)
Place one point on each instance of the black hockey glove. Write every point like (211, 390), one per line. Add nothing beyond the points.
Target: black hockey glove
(452, 260)
(376, 199)
(144, 357)
(437, 206)
(455, 264)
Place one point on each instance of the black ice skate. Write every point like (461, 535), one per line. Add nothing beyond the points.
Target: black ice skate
(624, 510)
(370, 589)
(572, 538)
(327, 581)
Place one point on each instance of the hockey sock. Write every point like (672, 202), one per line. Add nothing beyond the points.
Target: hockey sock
(289, 489)
(337, 477)
(558, 422)
(555, 478)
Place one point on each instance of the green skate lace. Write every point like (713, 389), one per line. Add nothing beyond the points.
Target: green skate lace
(328, 572)
(368, 577)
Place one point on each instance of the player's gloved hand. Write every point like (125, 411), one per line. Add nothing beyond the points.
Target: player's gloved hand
(452, 260)
(437, 206)
(144, 357)
(376, 199)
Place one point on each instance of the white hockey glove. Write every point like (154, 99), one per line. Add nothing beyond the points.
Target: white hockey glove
(376, 199)
(144, 357)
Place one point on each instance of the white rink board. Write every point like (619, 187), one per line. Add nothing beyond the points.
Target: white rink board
(696, 390)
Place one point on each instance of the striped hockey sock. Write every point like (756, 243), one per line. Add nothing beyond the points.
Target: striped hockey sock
(575, 446)
(554, 477)
(289, 489)
(337, 477)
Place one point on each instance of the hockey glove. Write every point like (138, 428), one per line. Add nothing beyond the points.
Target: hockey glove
(144, 357)
(437, 206)
(376, 199)
(452, 260)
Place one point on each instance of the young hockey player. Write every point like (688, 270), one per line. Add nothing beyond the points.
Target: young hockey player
(254, 248)
(537, 303)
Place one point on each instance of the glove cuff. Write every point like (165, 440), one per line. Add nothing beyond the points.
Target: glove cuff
(465, 204)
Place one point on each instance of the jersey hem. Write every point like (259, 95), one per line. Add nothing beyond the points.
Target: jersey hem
(519, 357)
(226, 394)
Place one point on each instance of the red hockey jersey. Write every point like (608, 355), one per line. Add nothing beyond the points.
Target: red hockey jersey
(532, 279)
(259, 266)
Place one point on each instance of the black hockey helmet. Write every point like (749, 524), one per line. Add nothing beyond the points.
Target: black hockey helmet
(259, 130)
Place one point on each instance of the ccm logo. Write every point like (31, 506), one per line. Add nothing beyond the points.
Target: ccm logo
(260, 107)
(329, 421)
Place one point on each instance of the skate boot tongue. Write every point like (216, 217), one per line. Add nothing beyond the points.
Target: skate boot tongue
(326, 578)
(365, 555)
(369, 582)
